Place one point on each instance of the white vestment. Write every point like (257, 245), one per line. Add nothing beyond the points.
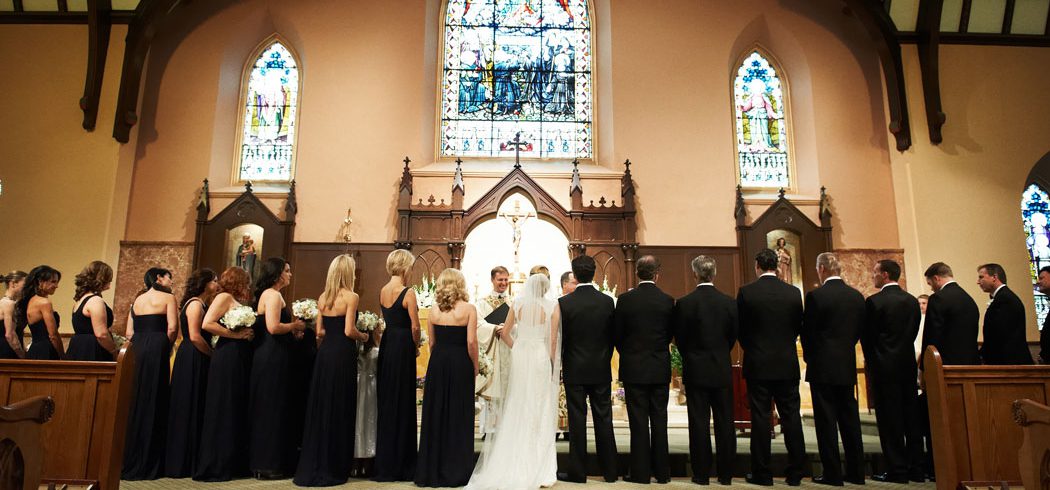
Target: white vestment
(491, 389)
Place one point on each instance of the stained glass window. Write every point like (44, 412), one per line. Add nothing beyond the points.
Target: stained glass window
(761, 124)
(515, 66)
(1035, 211)
(270, 106)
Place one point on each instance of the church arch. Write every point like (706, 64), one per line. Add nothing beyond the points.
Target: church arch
(764, 156)
(543, 212)
(267, 133)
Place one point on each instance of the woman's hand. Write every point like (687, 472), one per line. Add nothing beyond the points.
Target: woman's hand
(246, 333)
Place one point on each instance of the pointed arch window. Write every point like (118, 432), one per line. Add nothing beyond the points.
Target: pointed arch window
(759, 101)
(270, 91)
(1035, 213)
(513, 66)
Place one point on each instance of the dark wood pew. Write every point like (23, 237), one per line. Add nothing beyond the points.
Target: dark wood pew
(83, 442)
(975, 438)
(22, 442)
(1034, 455)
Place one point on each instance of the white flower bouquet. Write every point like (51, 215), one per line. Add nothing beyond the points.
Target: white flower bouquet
(424, 339)
(484, 364)
(367, 321)
(425, 292)
(306, 310)
(238, 317)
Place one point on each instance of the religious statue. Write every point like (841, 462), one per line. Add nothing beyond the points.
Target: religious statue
(783, 260)
(246, 255)
(517, 219)
(491, 388)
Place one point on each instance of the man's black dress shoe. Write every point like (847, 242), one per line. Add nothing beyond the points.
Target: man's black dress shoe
(822, 480)
(855, 481)
(888, 478)
(566, 477)
(725, 481)
(701, 481)
(797, 482)
(613, 480)
(767, 482)
(663, 481)
(917, 477)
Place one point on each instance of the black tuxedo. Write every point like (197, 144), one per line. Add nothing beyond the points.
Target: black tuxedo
(705, 329)
(587, 345)
(770, 320)
(1004, 331)
(831, 327)
(1044, 341)
(642, 331)
(951, 325)
(891, 324)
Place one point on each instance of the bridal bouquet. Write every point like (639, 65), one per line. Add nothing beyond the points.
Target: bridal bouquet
(425, 292)
(235, 319)
(484, 365)
(306, 310)
(367, 321)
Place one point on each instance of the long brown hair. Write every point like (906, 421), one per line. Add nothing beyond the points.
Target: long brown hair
(95, 276)
(235, 281)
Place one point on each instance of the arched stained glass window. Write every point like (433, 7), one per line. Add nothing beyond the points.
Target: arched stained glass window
(1035, 211)
(515, 66)
(761, 124)
(271, 96)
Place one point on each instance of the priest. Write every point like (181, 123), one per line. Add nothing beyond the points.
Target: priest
(492, 309)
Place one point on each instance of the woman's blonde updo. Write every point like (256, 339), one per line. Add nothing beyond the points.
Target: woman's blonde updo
(399, 262)
(451, 287)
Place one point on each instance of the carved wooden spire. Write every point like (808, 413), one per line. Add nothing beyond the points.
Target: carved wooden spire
(740, 211)
(204, 205)
(576, 187)
(292, 206)
(404, 193)
(825, 211)
(627, 186)
(458, 188)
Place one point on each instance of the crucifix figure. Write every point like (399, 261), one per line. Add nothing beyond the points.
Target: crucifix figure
(517, 219)
(518, 145)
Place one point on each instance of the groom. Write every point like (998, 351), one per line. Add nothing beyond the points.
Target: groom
(587, 346)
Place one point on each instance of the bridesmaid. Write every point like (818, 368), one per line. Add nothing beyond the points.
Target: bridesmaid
(446, 436)
(396, 376)
(328, 439)
(11, 347)
(224, 431)
(35, 309)
(151, 331)
(92, 318)
(272, 448)
(365, 444)
(189, 377)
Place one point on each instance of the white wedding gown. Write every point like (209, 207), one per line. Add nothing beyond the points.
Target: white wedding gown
(521, 453)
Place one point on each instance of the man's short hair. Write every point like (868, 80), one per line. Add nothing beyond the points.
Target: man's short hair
(499, 269)
(647, 267)
(704, 268)
(994, 269)
(1045, 269)
(583, 268)
(891, 268)
(939, 269)
(565, 278)
(924, 296)
(766, 260)
(830, 263)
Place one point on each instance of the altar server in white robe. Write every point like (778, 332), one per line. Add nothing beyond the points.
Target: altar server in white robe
(491, 388)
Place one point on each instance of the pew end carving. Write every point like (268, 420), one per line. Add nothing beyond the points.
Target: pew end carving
(21, 442)
(1033, 457)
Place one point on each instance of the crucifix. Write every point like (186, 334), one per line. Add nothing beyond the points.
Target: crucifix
(517, 219)
(517, 144)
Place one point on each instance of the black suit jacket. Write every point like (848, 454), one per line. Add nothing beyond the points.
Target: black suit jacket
(831, 327)
(891, 324)
(770, 320)
(1004, 330)
(1044, 341)
(705, 329)
(642, 332)
(951, 325)
(587, 339)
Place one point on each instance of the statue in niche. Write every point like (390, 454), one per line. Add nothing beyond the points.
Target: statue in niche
(246, 255)
(783, 260)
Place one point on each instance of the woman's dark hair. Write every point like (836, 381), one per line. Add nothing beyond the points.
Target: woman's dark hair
(150, 280)
(92, 279)
(197, 284)
(39, 274)
(12, 277)
(269, 274)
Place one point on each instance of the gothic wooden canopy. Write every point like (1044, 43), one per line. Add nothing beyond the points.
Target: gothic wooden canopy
(435, 230)
(209, 245)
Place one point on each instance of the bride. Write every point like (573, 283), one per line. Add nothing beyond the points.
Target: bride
(521, 453)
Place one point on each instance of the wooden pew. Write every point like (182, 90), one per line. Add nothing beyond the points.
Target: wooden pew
(1034, 455)
(83, 442)
(21, 442)
(975, 438)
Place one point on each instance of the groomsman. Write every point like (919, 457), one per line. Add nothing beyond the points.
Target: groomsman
(831, 328)
(568, 283)
(1044, 337)
(705, 329)
(770, 319)
(587, 345)
(890, 327)
(951, 318)
(642, 331)
(1004, 323)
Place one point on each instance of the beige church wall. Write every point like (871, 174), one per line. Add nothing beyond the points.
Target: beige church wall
(663, 94)
(959, 202)
(64, 193)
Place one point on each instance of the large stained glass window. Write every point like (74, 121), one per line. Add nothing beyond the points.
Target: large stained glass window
(270, 109)
(761, 124)
(1035, 211)
(515, 66)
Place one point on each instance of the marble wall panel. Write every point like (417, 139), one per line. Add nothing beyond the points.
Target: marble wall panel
(857, 264)
(135, 259)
